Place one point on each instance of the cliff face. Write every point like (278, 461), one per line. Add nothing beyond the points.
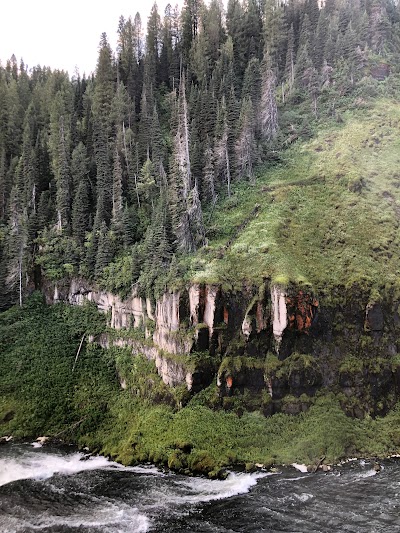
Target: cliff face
(281, 345)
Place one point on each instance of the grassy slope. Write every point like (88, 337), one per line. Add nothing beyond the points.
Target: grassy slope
(328, 212)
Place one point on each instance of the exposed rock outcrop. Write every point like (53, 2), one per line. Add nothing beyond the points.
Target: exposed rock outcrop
(279, 310)
(204, 332)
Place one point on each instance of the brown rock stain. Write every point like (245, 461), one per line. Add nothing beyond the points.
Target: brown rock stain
(261, 320)
(302, 309)
(226, 315)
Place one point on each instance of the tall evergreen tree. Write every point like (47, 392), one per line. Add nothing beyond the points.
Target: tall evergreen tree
(208, 190)
(81, 205)
(63, 184)
(245, 144)
(269, 110)
(103, 122)
(17, 246)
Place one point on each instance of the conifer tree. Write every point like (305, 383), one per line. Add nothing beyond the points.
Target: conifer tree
(117, 193)
(147, 184)
(320, 39)
(186, 207)
(104, 250)
(63, 184)
(221, 149)
(208, 190)
(245, 144)
(14, 119)
(127, 57)
(269, 110)
(379, 26)
(3, 183)
(290, 59)
(103, 121)
(274, 35)
(189, 26)
(157, 145)
(167, 49)
(153, 43)
(17, 245)
(144, 135)
(252, 82)
(80, 210)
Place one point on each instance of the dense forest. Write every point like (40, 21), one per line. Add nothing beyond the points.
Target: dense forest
(109, 177)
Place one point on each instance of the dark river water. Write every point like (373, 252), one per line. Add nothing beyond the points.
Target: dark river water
(50, 490)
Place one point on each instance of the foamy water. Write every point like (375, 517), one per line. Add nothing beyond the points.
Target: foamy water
(73, 477)
(53, 491)
(42, 465)
(198, 490)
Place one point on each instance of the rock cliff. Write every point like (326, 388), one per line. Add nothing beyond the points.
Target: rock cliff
(277, 343)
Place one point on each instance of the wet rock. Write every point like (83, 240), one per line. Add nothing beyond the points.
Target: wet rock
(279, 314)
(377, 467)
(374, 317)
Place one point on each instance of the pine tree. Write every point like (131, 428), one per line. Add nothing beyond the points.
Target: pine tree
(221, 147)
(157, 146)
(199, 58)
(252, 82)
(208, 191)
(320, 39)
(189, 27)
(117, 193)
(14, 120)
(104, 250)
(122, 110)
(245, 144)
(274, 35)
(3, 183)
(313, 12)
(103, 122)
(153, 43)
(80, 210)
(147, 184)
(269, 110)
(379, 26)
(127, 57)
(144, 135)
(290, 59)
(17, 246)
(63, 184)
(186, 207)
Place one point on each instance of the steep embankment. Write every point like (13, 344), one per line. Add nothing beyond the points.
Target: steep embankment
(327, 214)
(291, 308)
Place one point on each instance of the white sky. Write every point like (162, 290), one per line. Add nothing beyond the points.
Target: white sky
(65, 35)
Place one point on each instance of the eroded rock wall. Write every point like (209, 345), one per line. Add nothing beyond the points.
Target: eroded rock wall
(280, 340)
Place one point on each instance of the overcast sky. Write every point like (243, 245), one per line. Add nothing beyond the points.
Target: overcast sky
(64, 35)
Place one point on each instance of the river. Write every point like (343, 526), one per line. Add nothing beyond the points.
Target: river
(54, 491)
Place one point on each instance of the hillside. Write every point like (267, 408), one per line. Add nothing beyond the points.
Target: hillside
(225, 190)
(327, 214)
(324, 220)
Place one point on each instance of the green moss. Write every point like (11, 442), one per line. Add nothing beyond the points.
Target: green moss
(233, 365)
(351, 365)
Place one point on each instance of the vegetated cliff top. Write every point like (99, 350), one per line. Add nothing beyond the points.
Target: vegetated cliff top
(327, 214)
